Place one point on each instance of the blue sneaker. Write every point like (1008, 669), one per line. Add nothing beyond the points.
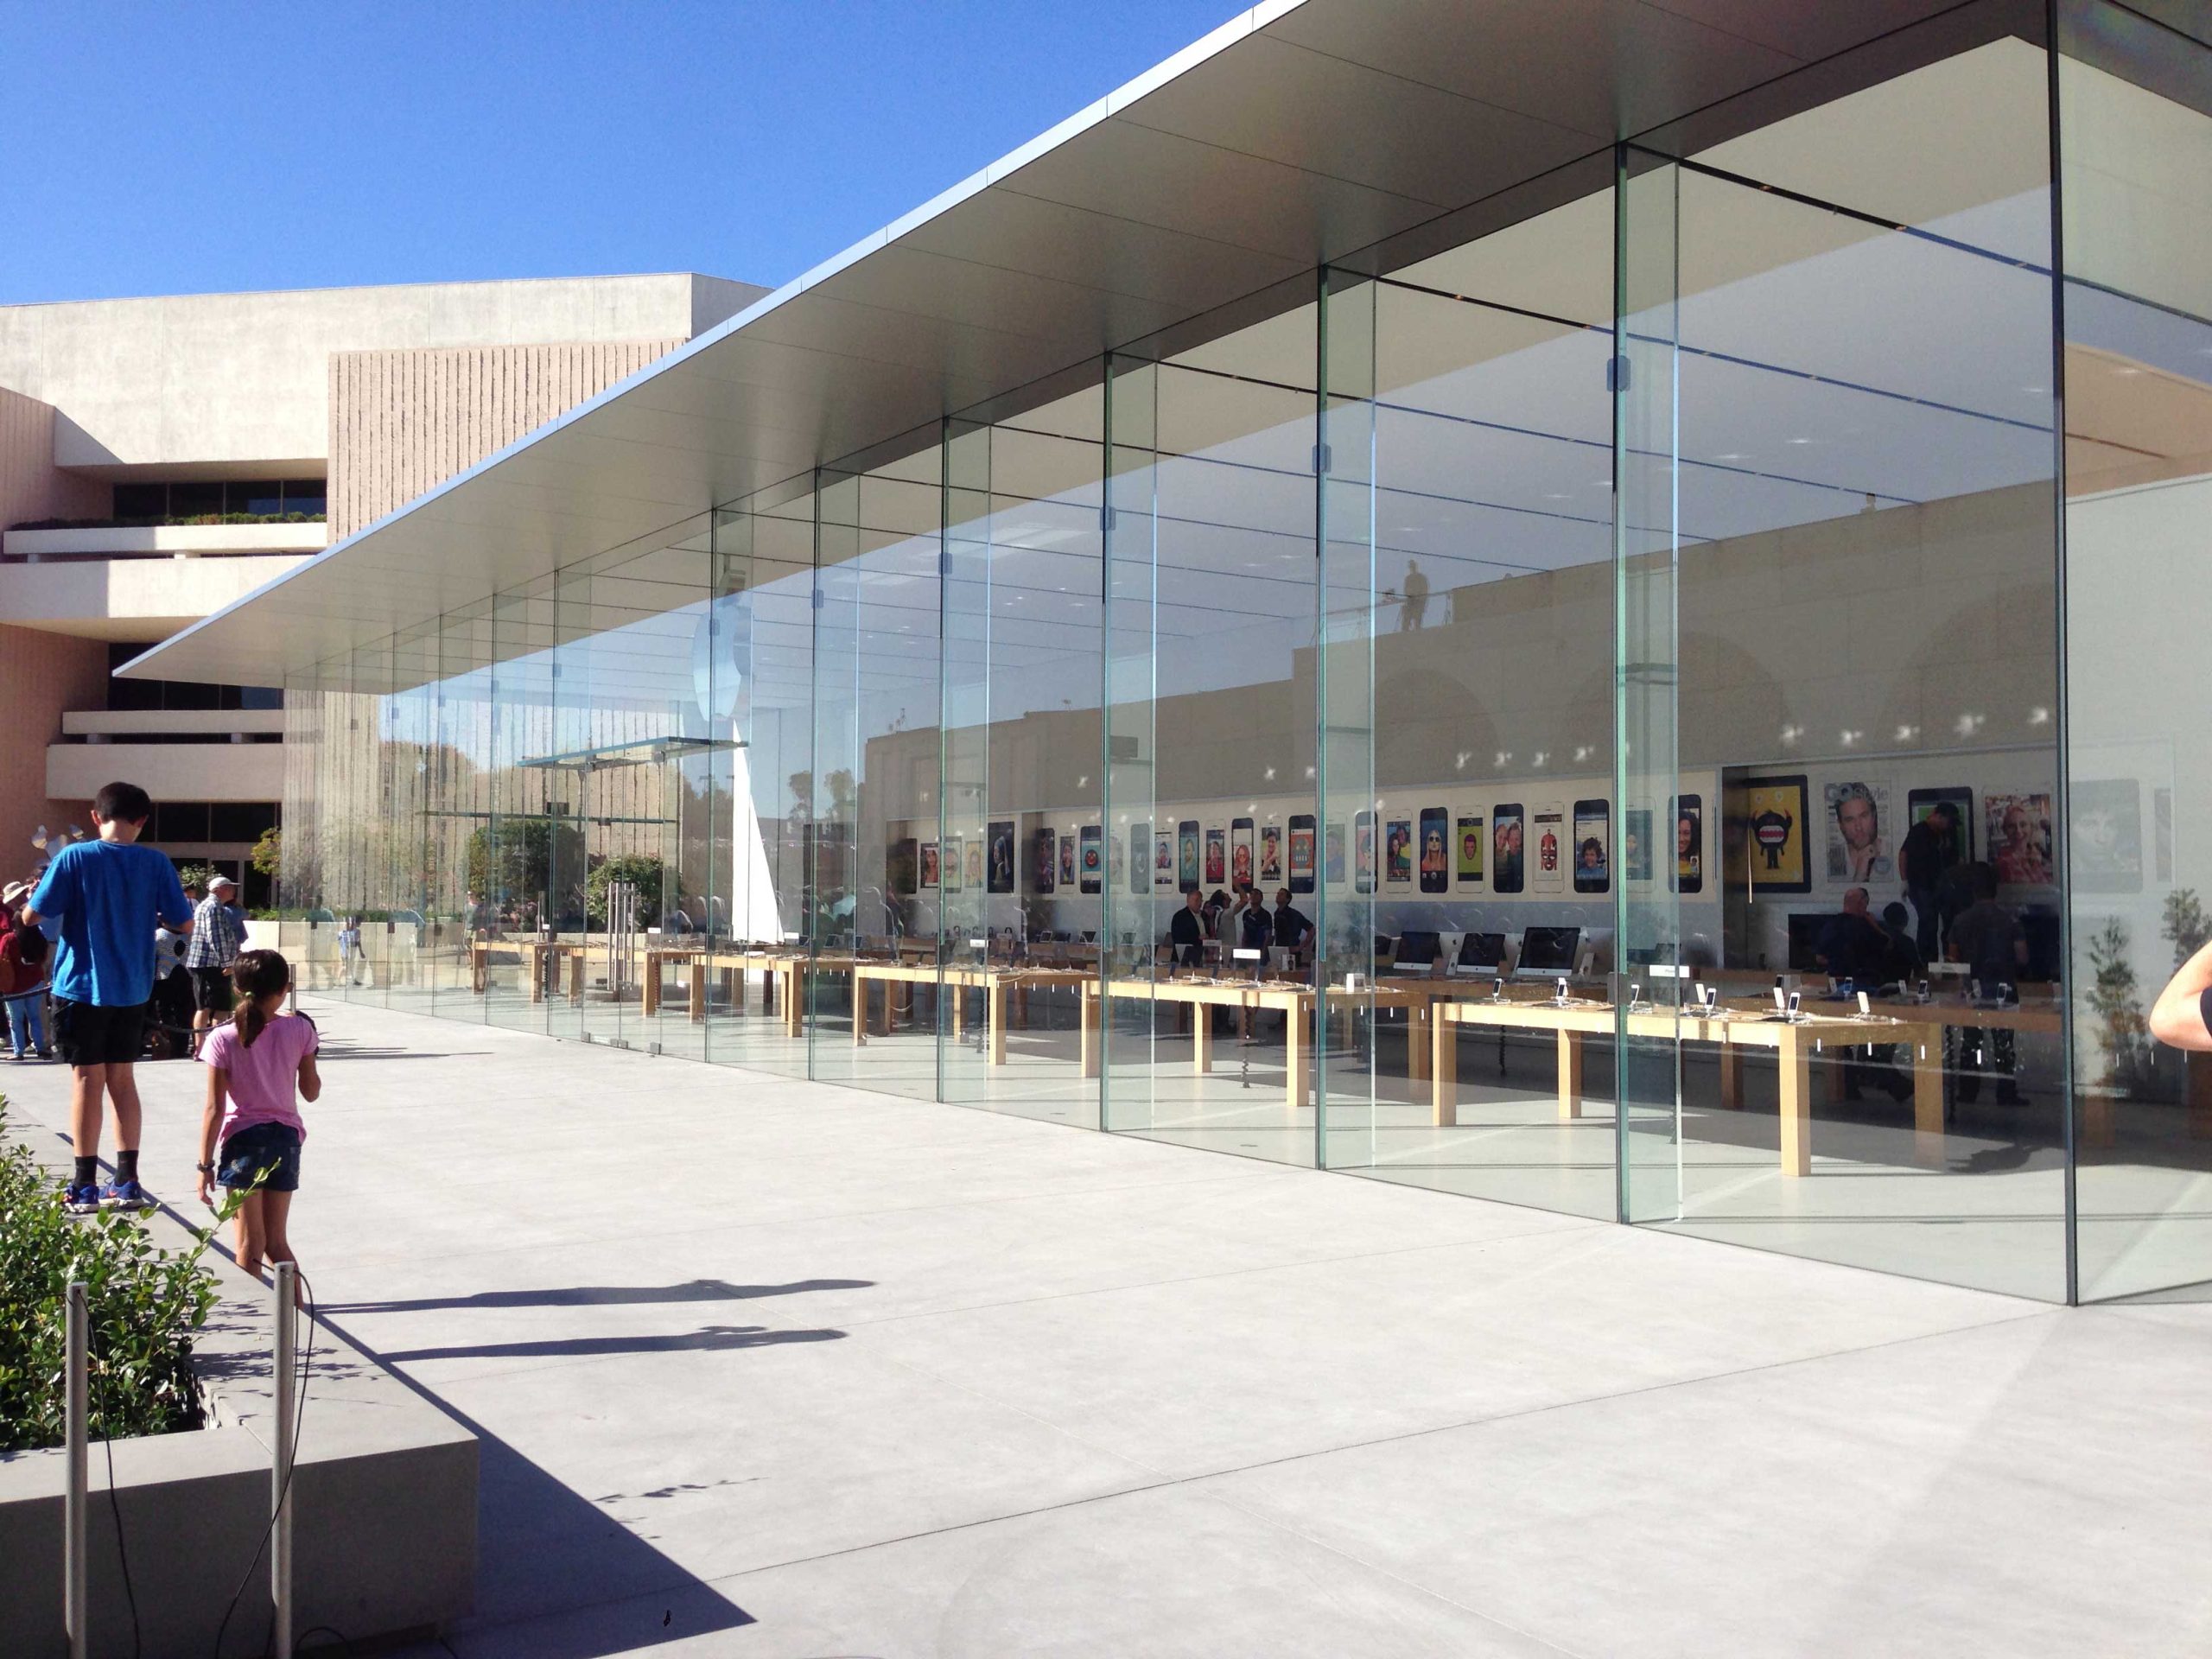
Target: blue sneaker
(124, 1195)
(81, 1200)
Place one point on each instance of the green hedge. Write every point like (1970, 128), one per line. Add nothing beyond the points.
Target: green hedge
(144, 1304)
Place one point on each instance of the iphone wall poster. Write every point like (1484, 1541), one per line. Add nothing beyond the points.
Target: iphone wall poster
(1363, 852)
(1434, 849)
(1593, 846)
(1507, 864)
(1470, 861)
(1270, 858)
(1091, 859)
(1548, 830)
(1217, 856)
(1398, 852)
(1187, 854)
(1240, 854)
(1301, 854)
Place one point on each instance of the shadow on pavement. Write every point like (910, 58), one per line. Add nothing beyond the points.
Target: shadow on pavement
(712, 1337)
(697, 1290)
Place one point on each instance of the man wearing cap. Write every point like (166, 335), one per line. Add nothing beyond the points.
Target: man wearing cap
(216, 938)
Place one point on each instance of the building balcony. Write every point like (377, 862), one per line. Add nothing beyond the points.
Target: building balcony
(135, 596)
(170, 541)
(179, 754)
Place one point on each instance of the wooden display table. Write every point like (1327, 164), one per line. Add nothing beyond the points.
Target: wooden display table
(998, 984)
(541, 961)
(1296, 1000)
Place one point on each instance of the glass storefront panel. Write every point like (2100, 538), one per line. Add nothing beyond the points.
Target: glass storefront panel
(1863, 548)
(2135, 111)
(1021, 759)
(761, 681)
(876, 691)
(1212, 550)
(1470, 674)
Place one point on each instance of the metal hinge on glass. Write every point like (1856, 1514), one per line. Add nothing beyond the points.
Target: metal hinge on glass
(1618, 375)
(1322, 459)
(816, 599)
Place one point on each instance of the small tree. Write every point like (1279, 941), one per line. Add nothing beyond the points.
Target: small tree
(2186, 927)
(2131, 1057)
(195, 876)
(268, 856)
(641, 870)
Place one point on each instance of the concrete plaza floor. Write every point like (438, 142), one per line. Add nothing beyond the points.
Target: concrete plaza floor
(766, 1368)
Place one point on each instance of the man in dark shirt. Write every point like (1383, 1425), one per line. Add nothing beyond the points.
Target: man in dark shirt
(1852, 945)
(1187, 932)
(1292, 930)
(1930, 848)
(1988, 938)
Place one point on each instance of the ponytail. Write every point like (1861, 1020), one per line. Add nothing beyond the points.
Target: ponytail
(255, 974)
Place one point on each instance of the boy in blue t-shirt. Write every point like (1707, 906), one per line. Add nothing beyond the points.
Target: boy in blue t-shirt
(108, 895)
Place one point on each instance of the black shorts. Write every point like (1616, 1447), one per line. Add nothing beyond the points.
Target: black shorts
(264, 1156)
(88, 1035)
(211, 989)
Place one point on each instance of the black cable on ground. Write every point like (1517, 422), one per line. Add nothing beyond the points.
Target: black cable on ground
(115, 1508)
(299, 1421)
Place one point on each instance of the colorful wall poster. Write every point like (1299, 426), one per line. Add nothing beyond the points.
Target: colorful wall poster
(973, 848)
(1689, 843)
(1548, 830)
(1002, 854)
(1163, 859)
(1240, 854)
(1301, 852)
(1091, 857)
(1067, 860)
(1635, 845)
(1774, 835)
(1139, 858)
(1505, 848)
(1187, 854)
(1363, 852)
(2019, 830)
(1217, 856)
(1432, 847)
(1859, 848)
(1270, 857)
(929, 864)
(1470, 861)
(1593, 846)
(1333, 855)
(952, 863)
(1398, 852)
(1045, 861)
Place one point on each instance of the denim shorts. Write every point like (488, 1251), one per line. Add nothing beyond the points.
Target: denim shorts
(258, 1146)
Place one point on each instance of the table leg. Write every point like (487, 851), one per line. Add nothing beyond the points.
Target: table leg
(860, 1010)
(1927, 1097)
(1444, 1074)
(533, 961)
(1298, 1050)
(890, 994)
(648, 987)
(1731, 1078)
(1570, 1076)
(697, 995)
(1796, 1060)
(794, 1003)
(577, 976)
(1418, 1020)
(959, 1011)
(1093, 1009)
(995, 1027)
(1201, 1037)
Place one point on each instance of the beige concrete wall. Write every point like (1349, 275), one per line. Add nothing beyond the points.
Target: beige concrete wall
(404, 422)
(29, 486)
(169, 771)
(196, 382)
(41, 674)
(137, 599)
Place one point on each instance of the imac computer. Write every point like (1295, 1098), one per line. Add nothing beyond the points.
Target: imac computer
(1417, 950)
(1482, 955)
(1548, 952)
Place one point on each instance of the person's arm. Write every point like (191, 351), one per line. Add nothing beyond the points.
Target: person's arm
(310, 1079)
(211, 1119)
(2178, 1017)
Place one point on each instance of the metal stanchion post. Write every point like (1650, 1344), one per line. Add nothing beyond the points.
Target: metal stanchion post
(77, 1416)
(280, 1468)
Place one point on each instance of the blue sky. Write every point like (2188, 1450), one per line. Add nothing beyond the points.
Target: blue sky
(168, 149)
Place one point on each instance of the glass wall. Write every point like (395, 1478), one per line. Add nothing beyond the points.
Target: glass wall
(1564, 708)
(2135, 110)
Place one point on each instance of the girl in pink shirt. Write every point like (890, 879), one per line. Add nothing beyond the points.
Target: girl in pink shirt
(260, 1066)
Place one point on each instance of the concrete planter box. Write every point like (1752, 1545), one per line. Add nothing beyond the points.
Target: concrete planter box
(383, 1522)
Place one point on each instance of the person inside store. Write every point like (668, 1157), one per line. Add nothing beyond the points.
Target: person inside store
(1854, 947)
(1930, 850)
(1905, 964)
(1293, 931)
(1255, 929)
(1186, 933)
(1987, 936)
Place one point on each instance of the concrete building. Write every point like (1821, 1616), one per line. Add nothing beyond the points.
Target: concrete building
(160, 459)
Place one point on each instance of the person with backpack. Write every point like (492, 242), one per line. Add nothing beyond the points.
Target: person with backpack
(24, 953)
(107, 897)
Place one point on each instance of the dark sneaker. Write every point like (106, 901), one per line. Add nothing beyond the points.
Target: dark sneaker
(81, 1200)
(124, 1195)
